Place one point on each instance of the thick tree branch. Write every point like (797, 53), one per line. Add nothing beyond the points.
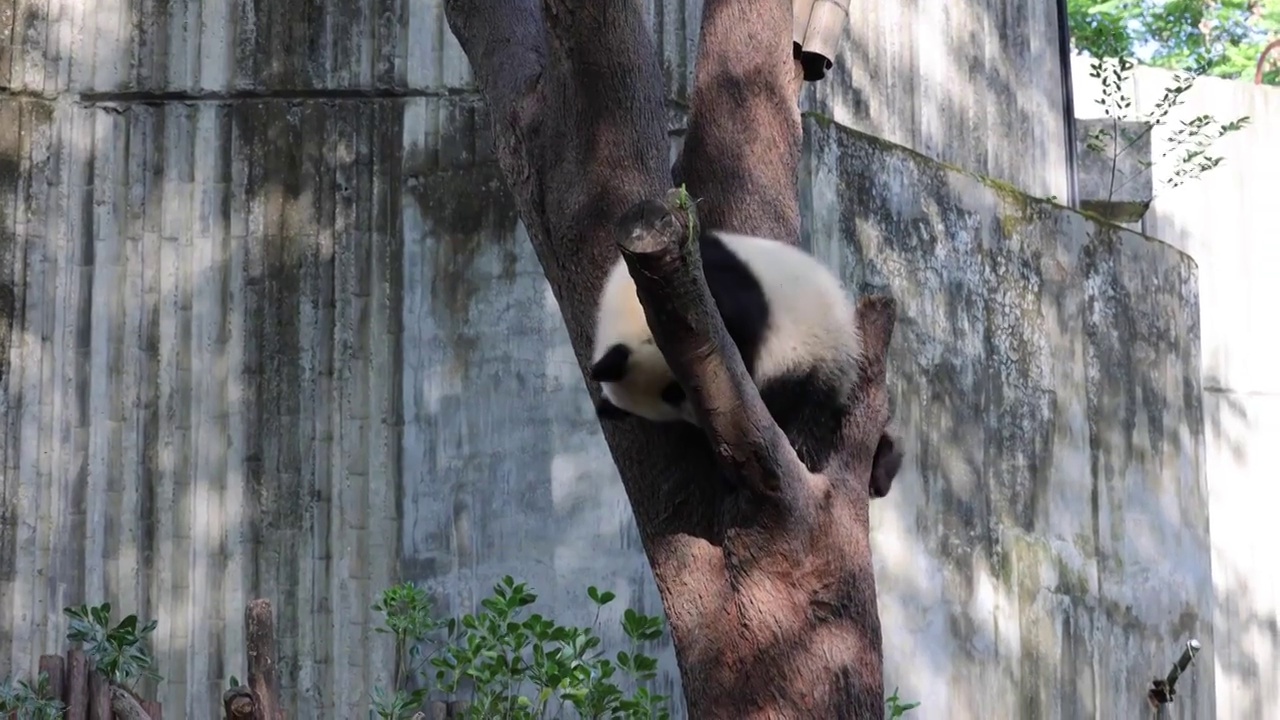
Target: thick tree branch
(575, 93)
(877, 315)
(659, 245)
(615, 141)
(866, 455)
(743, 144)
(505, 41)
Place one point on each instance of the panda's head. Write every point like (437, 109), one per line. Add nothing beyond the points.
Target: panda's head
(636, 380)
(634, 376)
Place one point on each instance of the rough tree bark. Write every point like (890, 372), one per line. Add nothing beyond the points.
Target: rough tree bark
(766, 579)
(124, 706)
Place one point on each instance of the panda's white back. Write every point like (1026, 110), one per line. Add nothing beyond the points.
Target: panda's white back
(811, 315)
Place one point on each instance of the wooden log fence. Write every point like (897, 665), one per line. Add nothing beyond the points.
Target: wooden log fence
(87, 695)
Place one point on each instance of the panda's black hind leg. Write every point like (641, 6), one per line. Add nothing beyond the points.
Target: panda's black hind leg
(612, 366)
(809, 413)
(673, 394)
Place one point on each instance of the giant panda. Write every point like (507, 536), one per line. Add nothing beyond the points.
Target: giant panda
(793, 323)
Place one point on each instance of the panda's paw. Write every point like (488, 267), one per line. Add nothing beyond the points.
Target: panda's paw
(606, 410)
(884, 466)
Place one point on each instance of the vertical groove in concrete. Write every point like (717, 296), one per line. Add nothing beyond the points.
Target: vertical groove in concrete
(204, 384)
(12, 287)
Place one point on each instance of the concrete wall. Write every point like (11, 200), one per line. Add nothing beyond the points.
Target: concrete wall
(1045, 551)
(298, 347)
(972, 83)
(1227, 221)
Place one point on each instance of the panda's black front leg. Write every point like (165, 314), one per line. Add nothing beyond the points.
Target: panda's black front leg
(606, 410)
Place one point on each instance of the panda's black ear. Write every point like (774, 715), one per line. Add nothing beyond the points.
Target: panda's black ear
(606, 410)
(612, 366)
(884, 466)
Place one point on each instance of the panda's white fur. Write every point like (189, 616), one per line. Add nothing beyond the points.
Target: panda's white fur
(793, 318)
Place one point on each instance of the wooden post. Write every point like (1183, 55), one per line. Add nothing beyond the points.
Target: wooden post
(125, 705)
(52, 665)
(99, 696)
(153, 709)
(77, 690)
(237, 703)
(261, 636)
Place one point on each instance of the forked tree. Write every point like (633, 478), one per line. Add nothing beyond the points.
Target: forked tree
(764, 567)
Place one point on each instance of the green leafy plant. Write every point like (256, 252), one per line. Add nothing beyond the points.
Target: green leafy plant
(28, 702)
(519, 665)
(515, 664)
(896, 707)
(120, 652)
(407, 616)
(1188, 143)
(685, 202)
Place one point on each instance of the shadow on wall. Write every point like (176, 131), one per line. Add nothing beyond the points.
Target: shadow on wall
(10, 306)
(1247, 630)
(958, 82)
(222, 293)
(217, 365)
(1050, 550)
(203, 392)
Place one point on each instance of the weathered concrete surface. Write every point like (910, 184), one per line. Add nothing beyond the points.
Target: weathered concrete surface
(972, 83)
(300, 349)
(1113, 168)
(505, 468)
(203, 395)
(975, 83)
(1228, 222)
(1045, 551)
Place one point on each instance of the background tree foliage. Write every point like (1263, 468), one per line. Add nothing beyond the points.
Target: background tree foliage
(1223, 38)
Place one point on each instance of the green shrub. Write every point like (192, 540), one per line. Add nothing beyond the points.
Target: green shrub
(119, 653)
(896, 707)
(30, 703)
(516, 665)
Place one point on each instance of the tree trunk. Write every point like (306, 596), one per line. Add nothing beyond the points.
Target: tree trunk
(767, 580)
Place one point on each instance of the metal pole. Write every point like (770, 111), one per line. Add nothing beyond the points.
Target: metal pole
(1068, 107)
(1162, 692)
